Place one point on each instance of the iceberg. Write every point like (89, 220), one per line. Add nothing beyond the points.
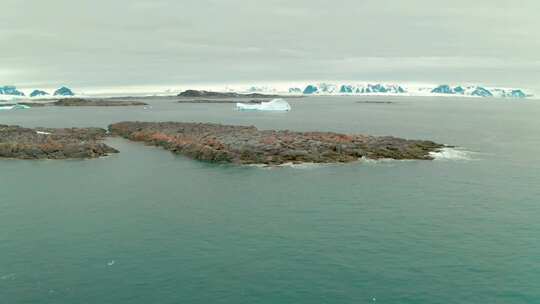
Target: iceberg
(272, 105)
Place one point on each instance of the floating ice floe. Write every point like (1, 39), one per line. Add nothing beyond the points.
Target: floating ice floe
(273, 105)
(14, 107)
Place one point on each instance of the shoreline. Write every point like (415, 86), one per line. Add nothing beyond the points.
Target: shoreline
(215, 143)
(246, 145)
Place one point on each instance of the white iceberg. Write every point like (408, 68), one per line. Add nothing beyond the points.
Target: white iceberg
(272, 105)
(14, 107)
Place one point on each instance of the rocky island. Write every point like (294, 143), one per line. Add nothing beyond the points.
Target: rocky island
(81, 102)
(248, 145)
(212, 95)
(47, 143)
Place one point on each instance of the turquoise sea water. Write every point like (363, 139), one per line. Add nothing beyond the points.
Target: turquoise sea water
(146, 226)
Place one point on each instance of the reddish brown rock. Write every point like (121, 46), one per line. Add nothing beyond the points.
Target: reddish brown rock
(248, 145)
(47, 143)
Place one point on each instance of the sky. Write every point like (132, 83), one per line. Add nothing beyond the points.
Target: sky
(102, 43)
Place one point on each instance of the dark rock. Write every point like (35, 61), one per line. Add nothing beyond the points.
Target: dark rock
(248, 145)
(210, 94)
(46, 143)
(80, 102)
(376, 102)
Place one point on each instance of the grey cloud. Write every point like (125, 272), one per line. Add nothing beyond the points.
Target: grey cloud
(134, 42)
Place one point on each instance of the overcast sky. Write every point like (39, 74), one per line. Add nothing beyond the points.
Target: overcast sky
(165, 42)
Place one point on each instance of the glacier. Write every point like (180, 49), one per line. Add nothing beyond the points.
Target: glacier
(277, 104)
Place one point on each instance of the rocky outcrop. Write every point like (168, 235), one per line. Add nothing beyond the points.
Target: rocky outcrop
(248, 145)
(46, 143)
(80, 102)
(210, 94)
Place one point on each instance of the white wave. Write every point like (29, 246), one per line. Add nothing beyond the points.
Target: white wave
(304, 165)
(294, 165)
(451, 154)
(9, 276)
(382, 160)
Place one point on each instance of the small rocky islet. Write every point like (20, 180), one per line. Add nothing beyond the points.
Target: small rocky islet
(81, 102)
(51, 143)
(211, 142)
(212, 94)
(84, 102)
(249, 145)
(201, 96)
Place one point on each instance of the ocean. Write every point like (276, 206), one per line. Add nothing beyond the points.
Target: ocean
(148, 226)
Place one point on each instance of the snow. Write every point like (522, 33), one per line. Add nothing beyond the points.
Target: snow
(273, 105)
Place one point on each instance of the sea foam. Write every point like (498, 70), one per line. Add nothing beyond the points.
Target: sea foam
(451, 154)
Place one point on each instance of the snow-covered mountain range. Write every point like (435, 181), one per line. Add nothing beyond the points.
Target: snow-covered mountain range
(307, 89)
(394, 89)
(11, 92)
